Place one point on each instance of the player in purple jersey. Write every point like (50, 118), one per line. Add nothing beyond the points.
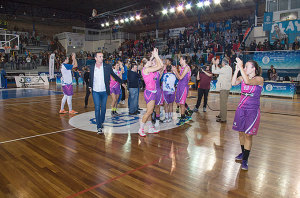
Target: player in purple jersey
(115, 88)
(182, 88)
(247, 115)
(151, 76)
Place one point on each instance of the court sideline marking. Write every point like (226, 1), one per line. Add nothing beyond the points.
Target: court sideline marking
(33, 136)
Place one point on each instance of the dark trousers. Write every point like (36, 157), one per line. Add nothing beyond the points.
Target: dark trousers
(202, 92)
(100, 99)
(87, 94)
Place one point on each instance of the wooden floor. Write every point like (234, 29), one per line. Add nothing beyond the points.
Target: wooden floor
(42, 156)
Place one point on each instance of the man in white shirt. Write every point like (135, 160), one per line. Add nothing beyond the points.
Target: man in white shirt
(223, 85)
(99, 86)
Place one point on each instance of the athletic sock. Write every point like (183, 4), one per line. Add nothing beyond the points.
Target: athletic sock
(149, 123)
(182, 116)
(243, 149)
(142, 125)
(246, 154)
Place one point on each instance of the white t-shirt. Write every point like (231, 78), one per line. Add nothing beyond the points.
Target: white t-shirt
(66, 78)
(169, 80)
(99, 83)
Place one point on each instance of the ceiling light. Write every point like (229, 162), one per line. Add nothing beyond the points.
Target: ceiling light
(132, 18)
(217, 1)
(206, 3)
(102, 25)
(188, 6)
(179, 8)
(116, 22)
(126, 19)
(165, 11)
(138, 17)
(172, 10)
(122, 20)
(200, 4)
(107, 24)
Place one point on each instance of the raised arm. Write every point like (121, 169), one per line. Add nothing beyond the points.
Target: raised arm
(75, 64)
(185, 71)
(198, 75)
(215, 68)
(158, 65)
(236, 80)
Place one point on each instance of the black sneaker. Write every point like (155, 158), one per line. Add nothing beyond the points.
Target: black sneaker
(140, 109)
(133, 113)
(117, 114)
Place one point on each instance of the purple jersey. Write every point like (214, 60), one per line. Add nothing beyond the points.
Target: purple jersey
(185, 81)
(247, 115)
(183, 87)
(250, 98)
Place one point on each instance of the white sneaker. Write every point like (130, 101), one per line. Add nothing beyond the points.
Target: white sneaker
(153, 130)
(170, 120)
(142, 132)
(156, 123)
(122, 102)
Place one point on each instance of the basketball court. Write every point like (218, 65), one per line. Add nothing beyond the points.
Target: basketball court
(45, 154)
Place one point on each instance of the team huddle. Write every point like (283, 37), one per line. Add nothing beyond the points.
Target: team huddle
(155, 71)
(164, 85)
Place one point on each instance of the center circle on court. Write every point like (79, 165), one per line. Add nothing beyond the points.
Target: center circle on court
(122, 124)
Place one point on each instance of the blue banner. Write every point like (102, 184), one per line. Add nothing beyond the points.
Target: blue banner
(268, 19)
(285, 30)
(286, 63)
(269, 89)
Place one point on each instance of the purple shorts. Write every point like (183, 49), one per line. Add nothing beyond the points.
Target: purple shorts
(115, 90)
(246, 120)
(181, 94)
(159, 99)
(169, 97)
(149, 96)
(68, 90)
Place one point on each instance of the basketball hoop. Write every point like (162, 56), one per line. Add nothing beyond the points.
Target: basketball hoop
(7, 49)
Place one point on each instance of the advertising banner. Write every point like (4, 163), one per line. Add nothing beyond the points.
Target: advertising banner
(27, 81)
(286, 63)
(289, 30)
(51, 66)
(269, 89)
(268, 20)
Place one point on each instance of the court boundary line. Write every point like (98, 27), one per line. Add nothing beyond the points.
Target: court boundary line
(33, 136)
(40, 101)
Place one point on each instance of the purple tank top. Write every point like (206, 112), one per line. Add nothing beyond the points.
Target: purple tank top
(185, 81)
(250, 98)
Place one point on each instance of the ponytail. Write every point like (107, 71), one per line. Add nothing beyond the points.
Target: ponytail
(258, 69)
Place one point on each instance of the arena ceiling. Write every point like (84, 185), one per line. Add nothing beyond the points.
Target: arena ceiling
(108, 10)
(85, 8)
